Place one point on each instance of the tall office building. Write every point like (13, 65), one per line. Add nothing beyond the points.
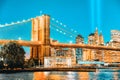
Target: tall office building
(113, 56)
(91, 39)
(95, 38)
(79, 39)
(115, 35)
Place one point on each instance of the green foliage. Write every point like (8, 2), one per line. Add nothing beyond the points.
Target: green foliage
(12, 54)
(33, 62)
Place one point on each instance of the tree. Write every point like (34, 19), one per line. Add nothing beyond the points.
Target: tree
(12, 54)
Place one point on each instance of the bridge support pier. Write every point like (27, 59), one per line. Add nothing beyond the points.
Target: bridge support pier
(41, 33)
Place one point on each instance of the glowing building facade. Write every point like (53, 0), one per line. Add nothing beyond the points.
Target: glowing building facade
(91, 54)
(60, 57)
(115, 35)
(113, 56)
(107, 56)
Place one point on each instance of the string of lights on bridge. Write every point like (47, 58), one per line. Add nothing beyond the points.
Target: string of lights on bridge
(64, 26)
(14, 23)
(17, 22)
(67, 35)
(62, 30)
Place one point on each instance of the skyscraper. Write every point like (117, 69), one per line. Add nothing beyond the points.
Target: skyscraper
(113, 56)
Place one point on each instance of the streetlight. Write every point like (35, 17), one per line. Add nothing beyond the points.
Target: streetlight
(19, 38)
(70, 42)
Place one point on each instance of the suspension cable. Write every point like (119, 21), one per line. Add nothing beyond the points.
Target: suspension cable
(60, 31)
(14, 23)
(54, 25)
(60, 23)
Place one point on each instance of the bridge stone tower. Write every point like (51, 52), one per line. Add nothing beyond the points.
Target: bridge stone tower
(41, 33)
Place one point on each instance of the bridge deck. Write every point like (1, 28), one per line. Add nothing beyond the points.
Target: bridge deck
(84, 46)
(22, 42)
(38, 43)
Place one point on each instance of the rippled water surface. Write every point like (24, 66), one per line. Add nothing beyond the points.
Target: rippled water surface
(98, 75)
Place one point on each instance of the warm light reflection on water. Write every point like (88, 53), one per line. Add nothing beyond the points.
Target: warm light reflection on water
(76, 76)
(59, 75)
(83, 75)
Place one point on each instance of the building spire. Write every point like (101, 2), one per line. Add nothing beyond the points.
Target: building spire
(101, 39)
(100, 33)
(96, 29)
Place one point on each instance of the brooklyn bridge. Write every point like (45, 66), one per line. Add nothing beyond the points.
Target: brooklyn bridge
(41, 43)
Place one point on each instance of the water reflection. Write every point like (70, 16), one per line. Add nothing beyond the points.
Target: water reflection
(99, 75)
(83, 76)
(105, 75)
(17, 76)
(40, 75)
(115, 76)
(59, 75)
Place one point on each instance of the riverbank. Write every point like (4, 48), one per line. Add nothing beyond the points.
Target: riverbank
(73, 69)
(49, 69)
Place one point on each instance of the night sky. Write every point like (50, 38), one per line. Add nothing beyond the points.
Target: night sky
(82, 16)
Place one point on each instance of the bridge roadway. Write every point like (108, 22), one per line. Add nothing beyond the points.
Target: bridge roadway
(62, 45)
(22, 42)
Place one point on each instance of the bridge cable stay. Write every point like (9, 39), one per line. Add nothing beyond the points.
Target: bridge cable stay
(55, 35)
(63, 30)
(64, 26)
(57, 30)
(70, 37)
(15, 23)
(60, 31)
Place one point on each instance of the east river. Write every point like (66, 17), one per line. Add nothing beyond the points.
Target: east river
(59, 75)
